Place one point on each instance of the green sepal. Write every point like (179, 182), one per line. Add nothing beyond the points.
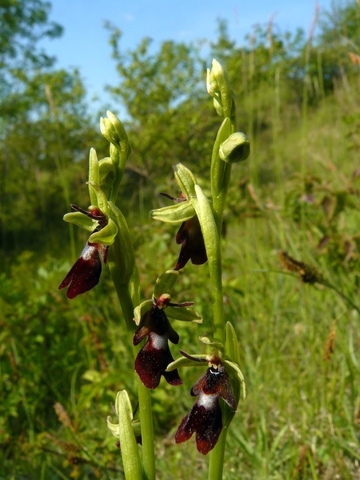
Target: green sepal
(94, 176)
(207, 341)
(125, 432)
(81, 220)
(101, 199)
(236, 148)
(141, 309)
(185, 180)
(186, 362)
(106, 235)
(165, 282)
(180, 212)
(183, 314)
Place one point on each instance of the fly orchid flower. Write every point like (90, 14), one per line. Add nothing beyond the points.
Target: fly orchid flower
(205, 417)
(85, 273)
(192, 244)
(154, 357)
(190, 237)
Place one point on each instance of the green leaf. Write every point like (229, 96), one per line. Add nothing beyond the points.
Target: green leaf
(106, 235)
(165, 283)
(180, 212)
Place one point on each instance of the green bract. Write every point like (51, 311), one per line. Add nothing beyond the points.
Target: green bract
(165, 283)
(125, 432)
(94, 177)
(107, 173)
(235, 148)
(101, 199)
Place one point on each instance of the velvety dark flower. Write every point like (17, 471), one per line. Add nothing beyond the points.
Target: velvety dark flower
(192, 244)
(85, 273)
(154, 357)
(205, 417)
(190, 237)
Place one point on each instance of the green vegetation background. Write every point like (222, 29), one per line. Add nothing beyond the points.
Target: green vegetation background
(62, 362)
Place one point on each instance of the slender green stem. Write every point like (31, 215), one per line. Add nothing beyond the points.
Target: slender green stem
(216, 464)
(147, 431)
(217, 299)
(220, 179)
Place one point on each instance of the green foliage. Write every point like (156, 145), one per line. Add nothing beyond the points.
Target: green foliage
(23, 24)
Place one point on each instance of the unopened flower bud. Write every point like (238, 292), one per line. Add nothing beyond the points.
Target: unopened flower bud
(236, 148)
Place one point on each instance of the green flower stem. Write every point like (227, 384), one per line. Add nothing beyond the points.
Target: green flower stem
(220, 179)
(147, 431)
(216, 463)
(144, 397)
(220, 172)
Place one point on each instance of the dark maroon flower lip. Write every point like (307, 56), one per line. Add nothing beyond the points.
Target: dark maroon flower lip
(154, 357)
(205, 417)
(85, 273)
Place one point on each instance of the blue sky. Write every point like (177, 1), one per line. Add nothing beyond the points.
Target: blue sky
(85, 40)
